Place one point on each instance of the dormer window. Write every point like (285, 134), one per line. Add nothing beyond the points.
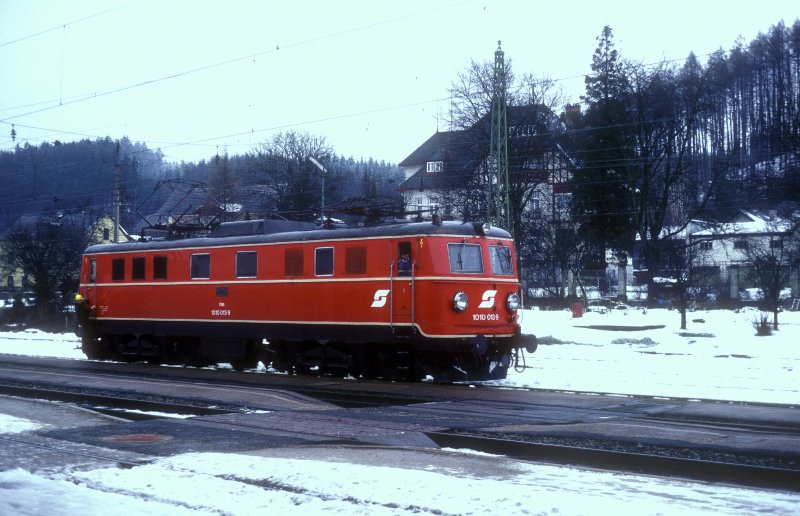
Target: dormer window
(434, 167)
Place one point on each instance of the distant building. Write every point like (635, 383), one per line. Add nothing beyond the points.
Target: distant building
(100, 230)
(449, 160)
(726, 250)
(721, 254)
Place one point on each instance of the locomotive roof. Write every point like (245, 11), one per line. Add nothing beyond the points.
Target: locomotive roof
(262, 233)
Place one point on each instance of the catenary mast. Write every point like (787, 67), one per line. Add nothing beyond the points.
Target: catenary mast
(497, 202)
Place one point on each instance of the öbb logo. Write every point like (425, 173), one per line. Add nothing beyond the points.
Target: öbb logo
(487, 301)
(379, 300)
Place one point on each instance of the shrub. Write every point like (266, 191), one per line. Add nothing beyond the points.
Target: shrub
(762, 325)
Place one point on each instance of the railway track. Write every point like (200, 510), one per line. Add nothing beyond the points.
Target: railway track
(776, 476)
(450, 416)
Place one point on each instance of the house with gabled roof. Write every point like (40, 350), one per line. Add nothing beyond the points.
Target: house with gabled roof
(449, 160)
(726, 250)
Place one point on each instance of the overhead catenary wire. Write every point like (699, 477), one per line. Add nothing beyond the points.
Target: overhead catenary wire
(94, 95)
(208, 140)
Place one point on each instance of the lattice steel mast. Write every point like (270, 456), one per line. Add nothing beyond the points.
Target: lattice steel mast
(498, 208)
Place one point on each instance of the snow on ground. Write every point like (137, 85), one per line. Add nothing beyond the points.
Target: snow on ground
(717, 357)
(215, 483)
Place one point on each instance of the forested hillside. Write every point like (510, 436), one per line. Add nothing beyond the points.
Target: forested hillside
(74, 177)
(78, 177)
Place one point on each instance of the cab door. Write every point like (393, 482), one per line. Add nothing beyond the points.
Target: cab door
(402, 291)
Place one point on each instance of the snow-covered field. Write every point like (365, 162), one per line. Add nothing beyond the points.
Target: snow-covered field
(717, 357)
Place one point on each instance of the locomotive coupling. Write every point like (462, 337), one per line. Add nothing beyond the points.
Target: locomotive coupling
(526, 341)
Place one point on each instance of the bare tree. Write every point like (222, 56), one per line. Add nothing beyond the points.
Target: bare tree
(295, 183)
(771, 259)
(49, 252)
(471, 93)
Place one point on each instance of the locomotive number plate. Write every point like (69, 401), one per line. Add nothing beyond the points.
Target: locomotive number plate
(485, 317)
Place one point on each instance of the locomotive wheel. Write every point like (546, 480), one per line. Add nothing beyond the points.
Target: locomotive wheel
(94, 348)
(249, 361)
(450, 374)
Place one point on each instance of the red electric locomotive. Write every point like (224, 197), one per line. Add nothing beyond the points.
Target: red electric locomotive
(397, 301)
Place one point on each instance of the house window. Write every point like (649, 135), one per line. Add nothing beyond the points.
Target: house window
(137, 268)
(706, 246)
(740, 244)
(776, 244)
(200, 266)
(355, 260)
(293, 262)
(563, 202)
(246, 264)
(323, 261)
(106, 234)
(10, 282)
(118, 269)
(434, 167)
(159, 267)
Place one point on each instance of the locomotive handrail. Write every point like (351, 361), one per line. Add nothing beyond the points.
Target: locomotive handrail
(391, 296)
(413, 298)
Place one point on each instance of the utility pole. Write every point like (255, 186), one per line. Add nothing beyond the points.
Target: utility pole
(322, 192)
(498, 207)
(117, 198)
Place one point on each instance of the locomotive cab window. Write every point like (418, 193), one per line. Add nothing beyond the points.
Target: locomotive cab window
(404, 258)
(465, 258)
(246, 264)
(93, 270)
(323, 261)
(200, 266)
(501, 260)
(118, 269)
(137, 268)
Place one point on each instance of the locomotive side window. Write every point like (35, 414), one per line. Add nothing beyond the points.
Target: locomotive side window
(118, 269)
(293, 262)
(323, 261)
(200, 266)
(246, 264)
(465, 258)
(137, 268)
(159, 267)
(355, 260)
(92, 270)
(501, 260)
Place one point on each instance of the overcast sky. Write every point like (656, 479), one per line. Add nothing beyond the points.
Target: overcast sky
(196, 77)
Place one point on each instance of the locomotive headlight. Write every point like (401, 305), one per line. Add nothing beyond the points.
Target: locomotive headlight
(513, 302)
(460, 301)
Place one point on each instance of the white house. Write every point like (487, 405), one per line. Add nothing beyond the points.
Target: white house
(726, 250)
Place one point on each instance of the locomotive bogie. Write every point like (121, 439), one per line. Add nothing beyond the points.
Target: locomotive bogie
(396, 301)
